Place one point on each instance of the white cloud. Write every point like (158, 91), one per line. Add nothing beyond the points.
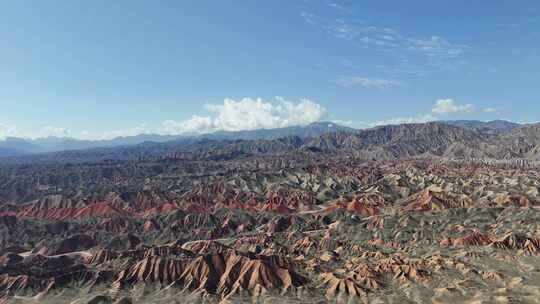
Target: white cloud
(140, 129)
(368, 82)
(435, 45)
(440, 108)
(348, 123)
(252, 114)
(196, 124)
(10, 130)
(7, 131)
(436, 52)
(249, 114)
(309, 18)
(48, 131)
(448, 106)
(404, 120)
(381, 37)
(337, 6)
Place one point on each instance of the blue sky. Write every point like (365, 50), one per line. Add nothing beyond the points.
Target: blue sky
(98, 69)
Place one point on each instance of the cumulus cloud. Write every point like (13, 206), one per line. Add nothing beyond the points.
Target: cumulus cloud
(489, 110)
(249, 114)
(448, 106)
(366, 82)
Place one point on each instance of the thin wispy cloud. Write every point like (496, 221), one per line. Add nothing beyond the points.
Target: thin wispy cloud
(403, 69)
(436, 51)
(383, 37)
(449, 106)
(309, 18)
(367, 82)
(337, 6)
(489, 110)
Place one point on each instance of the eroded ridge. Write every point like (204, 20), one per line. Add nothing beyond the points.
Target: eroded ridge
(345, 230)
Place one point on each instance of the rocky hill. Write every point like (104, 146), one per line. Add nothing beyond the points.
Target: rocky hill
(409, 140)
(415, 213)
(291, 228)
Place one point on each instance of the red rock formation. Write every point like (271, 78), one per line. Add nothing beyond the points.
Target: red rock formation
(150, 225)
(152, 269)
(514, 200)
(116, 224)
(338, 286)
(528, 245)
(13, 284)
(513, 241)
(367, 204)
(402, 269)
(473, 239)
(162, 209)
(382, 243)
(91, 210)
(204, 247)
(101, 256)
(167, 251)
(256, 275)
(286, 202)
(226, 273)
(434, 199)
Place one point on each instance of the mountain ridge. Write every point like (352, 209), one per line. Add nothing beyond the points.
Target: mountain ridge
(20, 146)
(425, 140)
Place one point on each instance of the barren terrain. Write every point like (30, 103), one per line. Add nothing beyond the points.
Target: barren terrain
(395, 223)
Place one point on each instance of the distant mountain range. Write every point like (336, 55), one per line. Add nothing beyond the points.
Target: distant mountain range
(22, 146)
(455, 139)
(14, 146)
